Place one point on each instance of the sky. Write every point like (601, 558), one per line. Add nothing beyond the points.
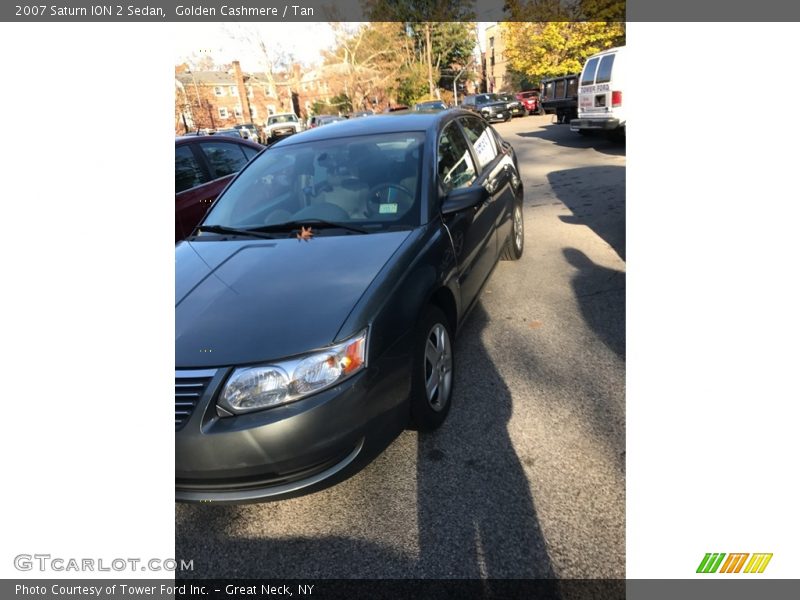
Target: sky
(304, 40)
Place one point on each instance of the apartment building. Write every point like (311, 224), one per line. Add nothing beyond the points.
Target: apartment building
(497, 79)
(221, 99)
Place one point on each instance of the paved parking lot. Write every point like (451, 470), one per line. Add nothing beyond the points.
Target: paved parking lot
(527, 476)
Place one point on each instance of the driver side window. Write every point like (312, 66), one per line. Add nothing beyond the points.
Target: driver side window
(456, 168)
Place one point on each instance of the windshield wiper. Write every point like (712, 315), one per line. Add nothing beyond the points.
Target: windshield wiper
(318, 223)
(233, 231)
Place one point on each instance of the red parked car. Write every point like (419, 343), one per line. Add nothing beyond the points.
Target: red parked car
(204, 164)
(530, 101)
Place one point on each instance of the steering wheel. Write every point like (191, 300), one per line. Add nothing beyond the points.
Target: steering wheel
(376, 197)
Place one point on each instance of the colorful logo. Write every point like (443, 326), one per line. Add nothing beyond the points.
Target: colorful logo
(734, 562)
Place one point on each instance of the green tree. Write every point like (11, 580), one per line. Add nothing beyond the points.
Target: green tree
(411, 60)
(367, 57)
(546, 49)
(342, 103)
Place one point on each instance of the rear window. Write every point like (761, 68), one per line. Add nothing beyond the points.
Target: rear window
(604, 70)
(224, 159)
(561, 88)
(572, 86)
(282, 119)
(589, 71)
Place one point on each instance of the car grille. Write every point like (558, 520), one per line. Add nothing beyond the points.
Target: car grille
(189, 388)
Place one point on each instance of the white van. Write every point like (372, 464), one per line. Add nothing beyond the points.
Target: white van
(600, 106)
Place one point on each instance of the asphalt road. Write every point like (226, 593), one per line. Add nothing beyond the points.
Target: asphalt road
(527, 476)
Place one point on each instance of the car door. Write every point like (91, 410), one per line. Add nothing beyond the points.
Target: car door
(497, 173)
(191, 180)
(472, 229)
(222, 159)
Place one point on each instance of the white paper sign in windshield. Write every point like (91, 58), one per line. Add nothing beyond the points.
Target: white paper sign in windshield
(484, 148)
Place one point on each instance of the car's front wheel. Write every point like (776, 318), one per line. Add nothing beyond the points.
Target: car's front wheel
(516, 241)
(433, 374)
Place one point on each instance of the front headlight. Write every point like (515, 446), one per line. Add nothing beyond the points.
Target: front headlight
(267, 386)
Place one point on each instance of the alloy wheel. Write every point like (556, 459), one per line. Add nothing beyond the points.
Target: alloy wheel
(438, 367)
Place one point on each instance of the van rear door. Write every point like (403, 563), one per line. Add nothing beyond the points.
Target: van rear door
(595, 95)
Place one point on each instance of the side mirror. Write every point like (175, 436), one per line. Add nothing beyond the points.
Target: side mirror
(462, 198)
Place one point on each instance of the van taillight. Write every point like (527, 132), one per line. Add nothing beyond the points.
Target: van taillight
(616, 99)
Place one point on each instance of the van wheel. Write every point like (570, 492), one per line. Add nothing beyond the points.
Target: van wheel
(432, 375)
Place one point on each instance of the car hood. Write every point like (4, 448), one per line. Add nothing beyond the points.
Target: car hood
(248, 301)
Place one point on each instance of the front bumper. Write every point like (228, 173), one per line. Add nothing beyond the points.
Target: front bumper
(596, 124)
(279, 133)
(280, 451)
(499, 115)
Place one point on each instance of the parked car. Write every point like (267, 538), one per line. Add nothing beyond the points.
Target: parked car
(560, 97)
(360, 113)
(320, 120)
(229, 132)
(281, 125)
(431, 105)
(249, 131)
(204, 165)
(395, 108)
(600, 95)
(317, 302)
(530, 101)
(488, 105)
(514, 106)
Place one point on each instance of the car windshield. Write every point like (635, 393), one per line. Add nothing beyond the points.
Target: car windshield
(429, 105)
(484, 98)
(282, 119)
(372, 182)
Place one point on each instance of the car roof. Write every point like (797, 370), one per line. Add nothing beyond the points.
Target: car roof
(397, 122)
(199, 139)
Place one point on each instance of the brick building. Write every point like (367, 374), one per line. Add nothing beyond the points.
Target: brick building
(222, 99)
(497, 79)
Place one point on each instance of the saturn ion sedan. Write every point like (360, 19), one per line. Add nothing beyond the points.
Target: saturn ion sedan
(317, 301)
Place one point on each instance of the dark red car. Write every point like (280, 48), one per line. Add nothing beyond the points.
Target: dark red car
(530, 101)
(204, 164)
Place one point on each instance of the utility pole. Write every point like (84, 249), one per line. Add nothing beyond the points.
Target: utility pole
(455, 88)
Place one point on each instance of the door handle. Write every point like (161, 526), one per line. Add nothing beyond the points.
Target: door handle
(491, 187)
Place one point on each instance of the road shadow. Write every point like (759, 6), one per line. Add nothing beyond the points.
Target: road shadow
(600, 292)
(476, 517)
(596, 197)
(560, 135)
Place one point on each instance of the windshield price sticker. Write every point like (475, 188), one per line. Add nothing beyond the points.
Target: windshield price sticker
(483, 147)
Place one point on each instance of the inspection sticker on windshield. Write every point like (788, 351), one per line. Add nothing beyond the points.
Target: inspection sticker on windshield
(387, 209)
